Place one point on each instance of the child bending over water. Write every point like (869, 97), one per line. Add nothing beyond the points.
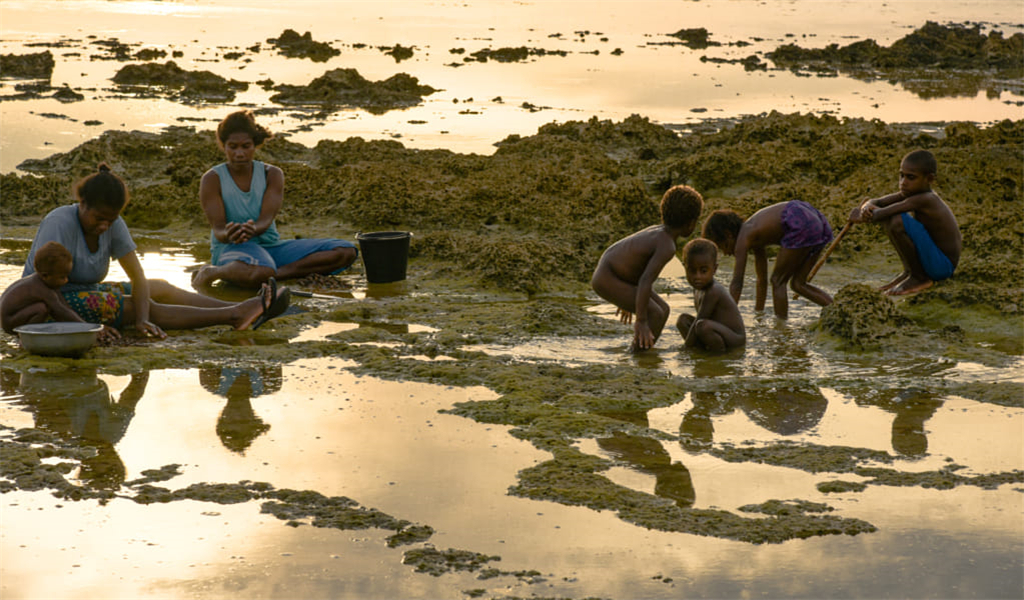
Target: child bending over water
(801, 231)
(718, 325)
(628, 268)
(929, 240)
(37, 298)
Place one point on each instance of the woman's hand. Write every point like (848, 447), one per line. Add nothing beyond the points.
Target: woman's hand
(148, 329)
(240, 233)
(108, 334)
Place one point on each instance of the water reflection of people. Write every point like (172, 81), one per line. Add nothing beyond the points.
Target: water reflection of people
(783, 411)
(77, 405)
(672, 479)
(238, 425)
(912, 407)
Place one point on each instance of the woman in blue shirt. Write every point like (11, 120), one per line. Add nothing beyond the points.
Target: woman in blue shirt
(241, 198)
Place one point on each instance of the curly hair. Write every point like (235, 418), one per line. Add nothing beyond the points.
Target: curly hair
(52, 257)
(700, 247)
(102, 189)
(680, 206)
(242, 121)
(721, 224)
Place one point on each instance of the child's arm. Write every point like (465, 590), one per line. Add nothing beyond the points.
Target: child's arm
(706, 303)
(909, 204)
(865, 212)
(58, 307)
(739, 268)
(643, 337)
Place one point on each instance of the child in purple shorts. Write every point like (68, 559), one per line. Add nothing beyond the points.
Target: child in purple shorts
(801, 231)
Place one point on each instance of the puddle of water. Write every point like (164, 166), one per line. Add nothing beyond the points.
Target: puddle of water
(313, 424)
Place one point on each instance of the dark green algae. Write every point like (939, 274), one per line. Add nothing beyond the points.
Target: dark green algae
(933, 61)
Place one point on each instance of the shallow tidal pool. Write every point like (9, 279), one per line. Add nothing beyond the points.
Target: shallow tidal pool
(786, 470)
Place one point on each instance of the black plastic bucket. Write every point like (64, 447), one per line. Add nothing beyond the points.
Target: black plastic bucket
(385, 255)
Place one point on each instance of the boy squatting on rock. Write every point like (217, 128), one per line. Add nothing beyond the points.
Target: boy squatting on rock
(37, 298)
(928, 241)
(628, 269)
(718, 325)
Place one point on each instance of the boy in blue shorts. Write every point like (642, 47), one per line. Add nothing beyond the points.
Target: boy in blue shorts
(919, 224)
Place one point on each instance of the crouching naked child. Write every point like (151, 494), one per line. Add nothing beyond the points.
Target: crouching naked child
(718, 325)
(928, 241)
(37, 298)
(628, 269)
(801, 231)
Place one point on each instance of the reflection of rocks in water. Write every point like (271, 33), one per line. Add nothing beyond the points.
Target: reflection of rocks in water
(38, 65)
(508, 54)
(697, 38)
(238, 425)
(170, 79)
(923, 59)
(861, 315)
(649, 456)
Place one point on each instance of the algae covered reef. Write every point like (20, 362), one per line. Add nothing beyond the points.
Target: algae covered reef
(534, 216)
(503, 250)
(933, 61)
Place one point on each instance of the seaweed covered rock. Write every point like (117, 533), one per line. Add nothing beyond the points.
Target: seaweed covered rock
(922, 60)
(862, 316)
(38, 65)
(293, 45)
(179, 83)
(346, 87)
(537, 213)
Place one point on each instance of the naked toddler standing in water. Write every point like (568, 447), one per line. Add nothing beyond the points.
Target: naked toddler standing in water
(628, 269)
(718, 324)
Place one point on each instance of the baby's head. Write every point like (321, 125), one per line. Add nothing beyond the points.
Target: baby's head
(700, 258)
(722, 228)
(53, 263)
(680, 208)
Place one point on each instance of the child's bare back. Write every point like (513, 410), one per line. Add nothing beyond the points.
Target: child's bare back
(629, 258)
(37, 297)
(627, 270)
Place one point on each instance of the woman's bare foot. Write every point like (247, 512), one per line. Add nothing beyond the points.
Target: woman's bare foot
(910, 286)
(898, 280)
(203, 277)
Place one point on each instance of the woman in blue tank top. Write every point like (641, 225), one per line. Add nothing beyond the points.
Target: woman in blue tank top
(241, 198)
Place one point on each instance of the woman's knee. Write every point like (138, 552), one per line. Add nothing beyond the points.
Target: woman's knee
(346, 256)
